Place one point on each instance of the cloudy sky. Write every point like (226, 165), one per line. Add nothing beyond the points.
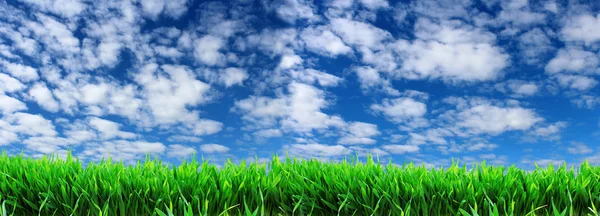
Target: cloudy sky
(509, 82)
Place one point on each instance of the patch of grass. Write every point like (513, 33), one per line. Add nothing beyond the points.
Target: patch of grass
(51, 186)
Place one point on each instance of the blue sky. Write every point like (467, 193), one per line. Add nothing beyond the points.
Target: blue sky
(509, 82)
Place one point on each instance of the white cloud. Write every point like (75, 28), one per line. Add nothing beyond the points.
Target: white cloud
(370, 79)
(322, 41)
(549, 131)
(179, 151)
(451, 51)
(518, 88)
(183, 138)
(578, 82)
(311, 76)
(9, 84)
(30, 124)
(66, 8)
(169, 97)
(583, 28)
(206, 127)
(359, 33)
(495, 120)
(579, 148)
(213, 148)
(268, 133)
(152, 8)
(400, 149)
(443, 9)
(299, 111)
(233, 76)
(10, 104)
(109, 129)
(289, 61)
(375, 4)
(43, 96)
(359, 133)
(400, 109)
(535, 45)
(128, 151)
(95, 93)
(292, 10)
(573, 59)
(207, 50)
(21, 72)
(315, 150)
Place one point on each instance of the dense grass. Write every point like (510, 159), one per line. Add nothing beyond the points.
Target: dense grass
(51, 186)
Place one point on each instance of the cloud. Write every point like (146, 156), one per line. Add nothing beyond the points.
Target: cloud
(359, 133)
(316, 150)
(268, 133)
(495, 120)
(183, 138)
(400, 109)
(312, 76)
(213, 148)
(29, 124)
(400, 149)
(109, 129)
(535, 45)
(10, 104)
(9, 84)
(359, 33)
(170, 97)
(451, 51)
(289, 61)
(518, 88)
(322, 41)
(579, 148)
(207, 50)
(299, 111)
(573, 59)
(179, 151)
(65, 8)
(233, 76)
(292, 10)
(582, 28)
(370, 80)
(578, 82)
(43, 96)
(375, 4)
(21, 72)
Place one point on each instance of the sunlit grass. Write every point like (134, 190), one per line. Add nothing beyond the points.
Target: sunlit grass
(51, 186)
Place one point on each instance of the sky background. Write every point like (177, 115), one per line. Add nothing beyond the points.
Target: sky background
(509, 82)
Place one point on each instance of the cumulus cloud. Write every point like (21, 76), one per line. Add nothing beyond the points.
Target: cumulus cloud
(22, 72)
(359, 33)
(579, 148)
(582, 28)
(578, 82)
(451, 51)
(10, 104)
(213, 148)
(233, 76)
(495, 120)
(43, 96)
(298, 111)
(322, 41)
(316, 150)
(109, 129)
(573, 59)
(207, 50)
(400, 149)
(359, 133)
(400, 109)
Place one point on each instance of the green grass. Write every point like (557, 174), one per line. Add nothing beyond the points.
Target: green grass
(51, 186)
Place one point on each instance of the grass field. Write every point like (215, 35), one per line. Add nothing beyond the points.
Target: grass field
(51, 186)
